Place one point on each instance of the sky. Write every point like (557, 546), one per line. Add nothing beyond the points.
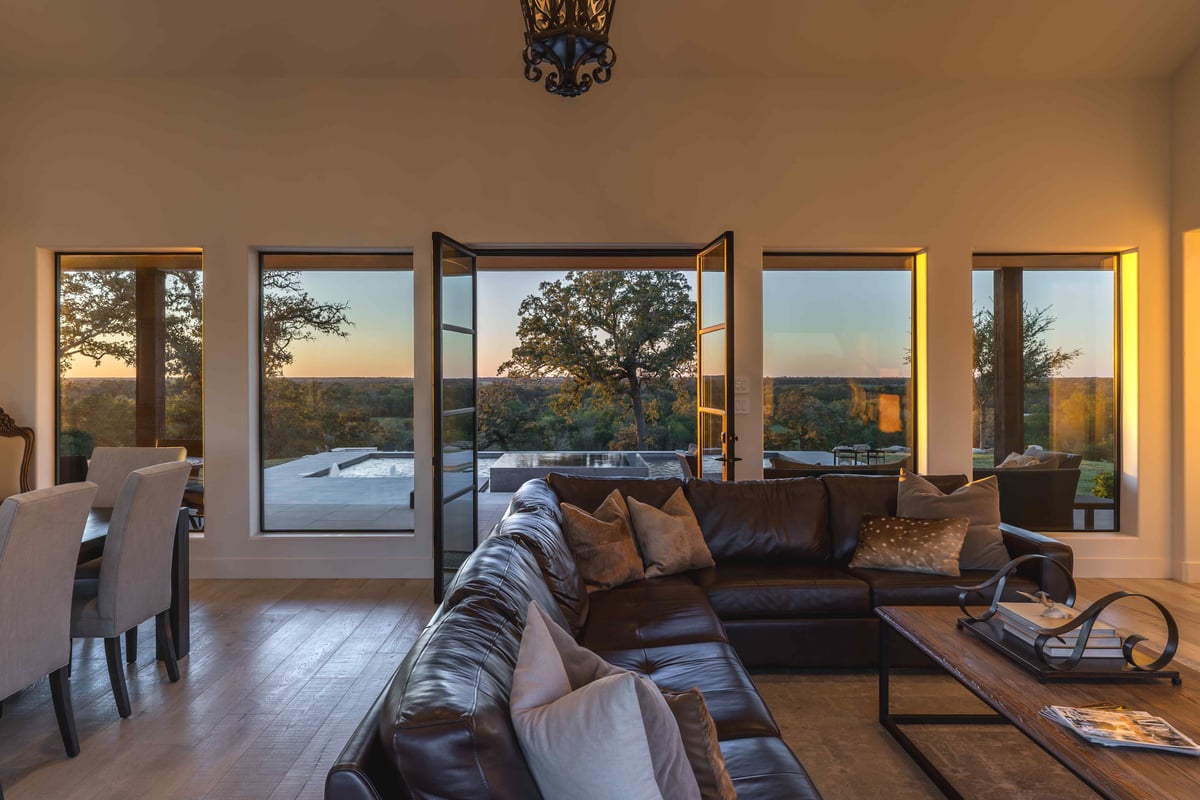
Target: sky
(819, 323)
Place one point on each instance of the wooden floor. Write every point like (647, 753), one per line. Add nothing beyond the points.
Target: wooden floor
(281, 671)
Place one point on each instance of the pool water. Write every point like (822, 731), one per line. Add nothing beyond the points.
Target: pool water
(378, 467)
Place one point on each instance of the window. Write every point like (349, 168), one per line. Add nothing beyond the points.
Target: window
(130, 355)
(336, 388)
(837, 359)
(1045, 415)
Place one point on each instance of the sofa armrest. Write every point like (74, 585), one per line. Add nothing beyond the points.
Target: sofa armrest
(1020, 542)
(362, 770)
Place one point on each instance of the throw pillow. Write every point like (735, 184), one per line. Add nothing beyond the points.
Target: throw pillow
(1016, 460)
(978, 501)
(602, 543)
(910, 545)
(669, 537)
(700, 742)
(589, 730)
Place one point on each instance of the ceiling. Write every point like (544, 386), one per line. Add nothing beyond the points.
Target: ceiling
(773, 39)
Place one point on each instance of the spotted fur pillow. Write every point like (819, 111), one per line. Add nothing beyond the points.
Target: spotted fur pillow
(905, 544)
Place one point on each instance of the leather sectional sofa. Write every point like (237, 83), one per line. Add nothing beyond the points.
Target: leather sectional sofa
(779, 595)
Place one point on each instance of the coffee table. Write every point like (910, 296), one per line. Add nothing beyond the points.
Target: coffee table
(1017, 697)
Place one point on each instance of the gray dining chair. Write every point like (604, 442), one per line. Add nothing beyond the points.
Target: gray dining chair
(134, 582)
(40, 533)
(109, 466)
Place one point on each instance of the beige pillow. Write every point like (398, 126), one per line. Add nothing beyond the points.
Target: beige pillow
(669, 537)
(910, 545)
(700, 742)
(591, 731)
(978, 501)
(602, 543)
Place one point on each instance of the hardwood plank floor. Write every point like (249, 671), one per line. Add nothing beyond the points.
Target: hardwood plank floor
(281, 672)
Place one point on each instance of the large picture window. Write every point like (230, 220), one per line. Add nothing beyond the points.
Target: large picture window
(837, 360)
(130, 355)
(337, 391)
(1045, 371)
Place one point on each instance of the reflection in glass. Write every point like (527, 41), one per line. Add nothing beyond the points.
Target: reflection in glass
(712, 287)
(457, 286)
(458, 365)
(837, 362)
(710, 446)
(712, 358)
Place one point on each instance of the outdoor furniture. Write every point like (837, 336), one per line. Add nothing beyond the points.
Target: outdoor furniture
(1090, 504)
(1037, 499)
(39, 540)
(16, 454)
(193, 493)
(134, 581)
(109, 466)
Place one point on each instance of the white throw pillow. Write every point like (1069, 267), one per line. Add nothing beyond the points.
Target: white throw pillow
(591, 731)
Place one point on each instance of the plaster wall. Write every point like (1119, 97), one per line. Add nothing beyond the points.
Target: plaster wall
(1185, 260)
(229, 166)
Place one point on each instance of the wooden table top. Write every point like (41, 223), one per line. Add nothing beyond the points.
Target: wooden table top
(1117, 772)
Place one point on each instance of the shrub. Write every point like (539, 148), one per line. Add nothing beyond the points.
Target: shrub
(1103, 485)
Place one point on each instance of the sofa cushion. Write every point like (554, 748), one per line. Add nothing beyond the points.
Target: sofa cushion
(544, 538)
(503, 570)
(702, 745)
(669, 537)
(851, 496)
(445, 724)
(649, 613)
(763, 768)
(890, 588)
(978, 501)
(756, 520)
(576, 716)
(713, 668)
(602, 543)
(910, 545)
(589, 492)
(769, 590)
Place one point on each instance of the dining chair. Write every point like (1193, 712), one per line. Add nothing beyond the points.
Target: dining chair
(134, 578)
(109, 466)
(16, 455)
(39, 544)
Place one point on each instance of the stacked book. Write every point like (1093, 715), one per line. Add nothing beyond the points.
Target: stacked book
(1024, 622)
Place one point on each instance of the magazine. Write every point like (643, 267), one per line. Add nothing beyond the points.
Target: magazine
(1122, 728)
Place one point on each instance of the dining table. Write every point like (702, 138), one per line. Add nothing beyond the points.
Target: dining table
(95, 533)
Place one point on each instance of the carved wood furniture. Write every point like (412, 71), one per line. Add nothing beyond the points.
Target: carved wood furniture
(16, 456)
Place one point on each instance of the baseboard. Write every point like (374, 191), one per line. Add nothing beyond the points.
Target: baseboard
(322, 567)
(1189, 572)
(1116, 567)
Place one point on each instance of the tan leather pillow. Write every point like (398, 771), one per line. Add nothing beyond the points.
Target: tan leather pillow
(978, 501)
(699, 733)
(669, 537)
(910, 545)
(602, 543)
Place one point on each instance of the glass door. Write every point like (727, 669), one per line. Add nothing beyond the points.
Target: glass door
(455, 466)
(714, 359)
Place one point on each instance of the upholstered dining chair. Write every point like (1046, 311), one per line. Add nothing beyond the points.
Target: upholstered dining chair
(109, 466)
(134, 576)
(16, 455)
(39, 545)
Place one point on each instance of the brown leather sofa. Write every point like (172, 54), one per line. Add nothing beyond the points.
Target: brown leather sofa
(780, 594)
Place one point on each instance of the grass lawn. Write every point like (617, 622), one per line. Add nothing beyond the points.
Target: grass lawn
(1088, 470)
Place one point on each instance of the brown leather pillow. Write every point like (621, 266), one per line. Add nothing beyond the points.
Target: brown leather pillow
(699, 733)
(602, 543)
(669, 537)
(910, 545)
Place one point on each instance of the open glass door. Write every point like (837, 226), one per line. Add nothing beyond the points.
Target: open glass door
(714, 359)
(455, 527)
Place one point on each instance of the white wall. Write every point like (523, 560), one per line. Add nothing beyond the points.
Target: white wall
(232, 165)
(1185, 260)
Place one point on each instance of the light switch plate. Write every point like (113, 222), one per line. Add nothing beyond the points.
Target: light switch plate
(741, 405)
(741, 386)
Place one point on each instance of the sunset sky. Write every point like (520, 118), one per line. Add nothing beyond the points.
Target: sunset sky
(818, 323)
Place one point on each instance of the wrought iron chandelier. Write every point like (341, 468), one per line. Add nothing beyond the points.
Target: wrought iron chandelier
(568, 36)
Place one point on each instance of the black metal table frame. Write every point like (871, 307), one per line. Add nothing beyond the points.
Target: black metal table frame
(892, 722)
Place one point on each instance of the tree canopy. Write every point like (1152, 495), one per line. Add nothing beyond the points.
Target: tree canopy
(616, 333)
